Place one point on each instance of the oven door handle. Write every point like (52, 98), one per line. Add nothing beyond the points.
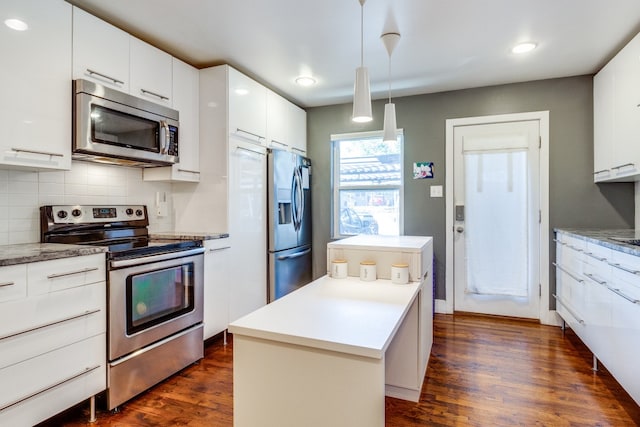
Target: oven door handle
(155, 258)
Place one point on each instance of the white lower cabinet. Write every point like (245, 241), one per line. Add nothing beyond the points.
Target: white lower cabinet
(52, 337)
(216, 286)
(601, 303)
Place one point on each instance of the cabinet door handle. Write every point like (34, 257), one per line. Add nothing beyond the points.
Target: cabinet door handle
(571, 312)
(55, 322)
(2, 285)
(623, 268)
(273, 141)
(157, 95)
(104, 76)
(601, 171)
(251, 134)
(187, 170)
(219, 249)
(46, 153)
(71, 273)
(623, 166)
(85, 371)
(560, 242)
(623, 295)
(574, 248)
(590, 254)
(249, 150)
(573, 276)
(299, 150)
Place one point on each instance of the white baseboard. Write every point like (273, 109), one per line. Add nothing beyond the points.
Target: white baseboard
(441, 307)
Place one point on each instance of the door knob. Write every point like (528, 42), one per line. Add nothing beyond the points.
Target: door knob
(459, 229)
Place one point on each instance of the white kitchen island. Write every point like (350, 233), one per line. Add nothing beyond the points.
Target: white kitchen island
(326, 354)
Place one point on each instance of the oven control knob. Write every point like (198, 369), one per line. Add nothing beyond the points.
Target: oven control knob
(62, 214)
(138, 212)
(129, 211)
(76, 212)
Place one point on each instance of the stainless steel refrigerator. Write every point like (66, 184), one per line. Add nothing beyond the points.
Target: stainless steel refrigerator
(289, 222)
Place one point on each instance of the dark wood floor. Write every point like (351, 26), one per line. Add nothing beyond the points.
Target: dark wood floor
(483, 371)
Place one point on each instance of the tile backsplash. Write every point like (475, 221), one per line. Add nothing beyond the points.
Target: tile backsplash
(23, 192)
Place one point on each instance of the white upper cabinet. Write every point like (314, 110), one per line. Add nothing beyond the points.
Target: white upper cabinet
(616, 109)
(35, 106)
(298, 118)
(100, 51)
(286, 124)
(247, 107)
(186, 84)
(151, 72)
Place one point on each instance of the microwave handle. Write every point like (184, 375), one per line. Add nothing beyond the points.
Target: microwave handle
(164, 137)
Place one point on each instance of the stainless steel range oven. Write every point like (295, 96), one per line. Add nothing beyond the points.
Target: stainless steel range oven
(155, 293)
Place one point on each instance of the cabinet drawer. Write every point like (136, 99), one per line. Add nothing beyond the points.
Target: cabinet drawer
(625, 267)
(23, 315)
(45, 338)
(13, 282)
(59, 274)
(40, 374)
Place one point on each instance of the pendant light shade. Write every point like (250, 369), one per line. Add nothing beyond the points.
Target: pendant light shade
(361, 91)
(389, 130)
(390, 41)
(362, 97)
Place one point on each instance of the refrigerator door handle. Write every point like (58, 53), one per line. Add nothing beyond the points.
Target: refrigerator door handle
(300, 199)
(296, 255)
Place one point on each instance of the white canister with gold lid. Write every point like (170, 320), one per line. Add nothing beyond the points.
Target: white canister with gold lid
(368, 271)
(400, 274)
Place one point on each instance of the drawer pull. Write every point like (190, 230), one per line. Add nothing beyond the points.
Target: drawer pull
(299, 150)
(55, 322)
(71, 273)
(601, 171)
(85, 371)
(623, 268)
(592, 277)
(627, 297)
(573, 276)
(571, 312)
(219, 249)
(559, 241)
(282, 144)
(574, 248)
(2, 285)
(104, 76)
(157, 95)
(590, 254)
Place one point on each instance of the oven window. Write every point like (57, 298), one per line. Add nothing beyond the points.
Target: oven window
(156, 296)
(125, 130)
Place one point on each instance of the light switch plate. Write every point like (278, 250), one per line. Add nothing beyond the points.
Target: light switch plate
(436, 190)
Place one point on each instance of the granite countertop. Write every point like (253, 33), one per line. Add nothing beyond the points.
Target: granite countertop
(187, 235)
(34, 252)
(612, 239)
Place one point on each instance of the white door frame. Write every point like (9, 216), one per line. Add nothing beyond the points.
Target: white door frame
(446, 306)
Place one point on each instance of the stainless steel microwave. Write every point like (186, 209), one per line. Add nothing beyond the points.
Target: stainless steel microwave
(114, 127)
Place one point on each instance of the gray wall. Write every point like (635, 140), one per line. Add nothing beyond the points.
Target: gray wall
(575, 201)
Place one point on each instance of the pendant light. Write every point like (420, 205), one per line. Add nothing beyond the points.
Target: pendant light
(390, 41)
(361, 91)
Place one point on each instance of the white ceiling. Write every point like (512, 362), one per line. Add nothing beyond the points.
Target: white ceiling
(445, 44)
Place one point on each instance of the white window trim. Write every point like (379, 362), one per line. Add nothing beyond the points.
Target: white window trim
(335, 211)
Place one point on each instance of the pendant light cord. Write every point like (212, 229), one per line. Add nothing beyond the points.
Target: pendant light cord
(389, 79)
(362, 34)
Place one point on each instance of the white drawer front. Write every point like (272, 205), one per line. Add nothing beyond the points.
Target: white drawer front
(40, 373)
(23, 315)
(13, 282)
(29, 344)
(625, 267)
(59, 274)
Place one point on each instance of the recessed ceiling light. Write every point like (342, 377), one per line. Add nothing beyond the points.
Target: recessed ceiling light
(305, 81)
(524, 47)
(16, 24)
